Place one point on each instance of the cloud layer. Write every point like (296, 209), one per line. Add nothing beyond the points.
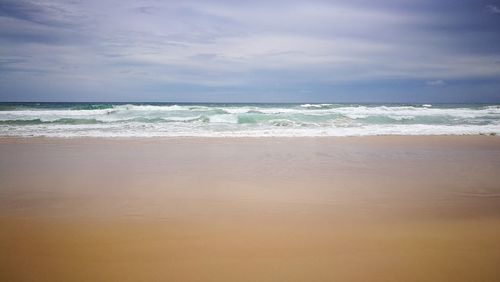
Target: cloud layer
(261, 50)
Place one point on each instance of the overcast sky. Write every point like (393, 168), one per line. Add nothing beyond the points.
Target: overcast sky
(250, 51)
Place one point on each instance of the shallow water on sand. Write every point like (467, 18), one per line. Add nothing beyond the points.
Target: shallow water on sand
(268, 209)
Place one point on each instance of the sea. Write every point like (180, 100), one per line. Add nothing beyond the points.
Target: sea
(70, 120)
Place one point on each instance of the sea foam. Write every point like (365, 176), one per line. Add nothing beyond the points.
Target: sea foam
(245, 120)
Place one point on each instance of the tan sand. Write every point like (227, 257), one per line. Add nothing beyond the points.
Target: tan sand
(275, 209)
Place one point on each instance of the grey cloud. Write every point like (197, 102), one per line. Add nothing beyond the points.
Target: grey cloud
(493, 9)
(438, 82)
(9, 61)
(204, 56)
(145, 10)
(44, 13)
(227, 43)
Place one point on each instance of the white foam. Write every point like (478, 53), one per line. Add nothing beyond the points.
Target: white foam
(151, 108)
(224, 118)
(242, 110)
(316, 106)
(182, 119)
(135, 129)
(222, 121)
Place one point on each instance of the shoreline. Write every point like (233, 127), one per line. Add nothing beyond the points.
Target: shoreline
(166, 138)
(250, 137)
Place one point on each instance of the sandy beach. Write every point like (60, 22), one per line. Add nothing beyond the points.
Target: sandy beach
(422, 208)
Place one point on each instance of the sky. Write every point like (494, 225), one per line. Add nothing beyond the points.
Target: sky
(398, 51)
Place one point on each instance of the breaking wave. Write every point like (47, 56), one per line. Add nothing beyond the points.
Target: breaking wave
(245, 120)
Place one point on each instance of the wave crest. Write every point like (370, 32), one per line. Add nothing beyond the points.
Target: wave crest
(246, 120)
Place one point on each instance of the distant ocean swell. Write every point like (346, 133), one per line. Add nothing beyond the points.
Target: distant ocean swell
(243, 120)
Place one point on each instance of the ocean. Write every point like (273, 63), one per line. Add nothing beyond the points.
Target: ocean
(244, 120)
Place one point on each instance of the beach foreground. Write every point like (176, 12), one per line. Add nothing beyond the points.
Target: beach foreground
(263, 209)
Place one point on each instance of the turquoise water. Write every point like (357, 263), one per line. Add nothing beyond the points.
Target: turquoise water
(244, 120)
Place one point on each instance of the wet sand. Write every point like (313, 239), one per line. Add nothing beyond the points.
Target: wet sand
(264, 209)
